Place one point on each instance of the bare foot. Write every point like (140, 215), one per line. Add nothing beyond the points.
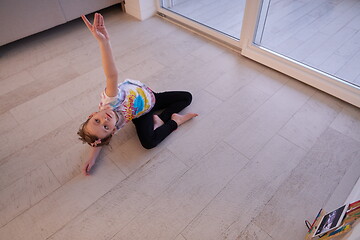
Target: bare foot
(180, 119)
(157, 121)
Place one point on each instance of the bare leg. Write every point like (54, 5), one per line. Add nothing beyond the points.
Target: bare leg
(157, 121)
(180, 119)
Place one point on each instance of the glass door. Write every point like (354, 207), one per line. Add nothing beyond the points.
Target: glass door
(321, 34)
(317, 42)
(220, 18)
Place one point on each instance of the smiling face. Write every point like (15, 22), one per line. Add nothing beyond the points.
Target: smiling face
(102, 123)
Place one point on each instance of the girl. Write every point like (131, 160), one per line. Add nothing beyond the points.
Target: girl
(128, 101)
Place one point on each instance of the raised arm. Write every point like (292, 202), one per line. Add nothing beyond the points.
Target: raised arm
(100, 33)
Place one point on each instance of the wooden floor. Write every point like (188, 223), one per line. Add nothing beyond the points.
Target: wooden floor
(322, 34)
(265, 153)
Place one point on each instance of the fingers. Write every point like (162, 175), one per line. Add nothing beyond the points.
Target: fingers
(101, 20)
(97, 28)
(86, 21)
(98, 20)
(85, 170)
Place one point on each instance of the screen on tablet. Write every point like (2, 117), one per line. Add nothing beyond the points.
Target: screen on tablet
(331, 220)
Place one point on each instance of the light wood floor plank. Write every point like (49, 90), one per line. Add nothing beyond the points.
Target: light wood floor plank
(186, 197)
(303, 131)
(61, 206)
(245, 196)
(118, 207)
(26, 192)
(260, 127)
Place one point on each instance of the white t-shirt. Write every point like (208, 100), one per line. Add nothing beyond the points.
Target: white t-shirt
(133, 100)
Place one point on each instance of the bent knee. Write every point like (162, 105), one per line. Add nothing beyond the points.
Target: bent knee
(148, 144)
(188, 97)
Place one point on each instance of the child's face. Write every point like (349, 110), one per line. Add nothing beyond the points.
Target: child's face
(102, 123)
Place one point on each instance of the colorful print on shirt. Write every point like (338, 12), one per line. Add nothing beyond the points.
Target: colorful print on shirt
(133, 100)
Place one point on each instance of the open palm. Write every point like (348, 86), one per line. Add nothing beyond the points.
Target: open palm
(97, 29)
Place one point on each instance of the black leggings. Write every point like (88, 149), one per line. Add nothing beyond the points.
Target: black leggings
(171, 102)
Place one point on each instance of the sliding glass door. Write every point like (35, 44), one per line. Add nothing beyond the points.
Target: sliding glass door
(317, 42)
(321, 34)
(221, 18)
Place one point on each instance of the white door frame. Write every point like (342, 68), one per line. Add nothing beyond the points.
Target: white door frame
(311, 76)
(304, 73)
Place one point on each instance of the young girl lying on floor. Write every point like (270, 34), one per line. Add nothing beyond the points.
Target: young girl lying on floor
(128, 101)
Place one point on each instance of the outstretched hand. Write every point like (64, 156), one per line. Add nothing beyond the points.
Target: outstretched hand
(87, 167)
(97, 29)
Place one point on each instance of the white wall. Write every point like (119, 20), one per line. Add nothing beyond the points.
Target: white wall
(140, 9)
